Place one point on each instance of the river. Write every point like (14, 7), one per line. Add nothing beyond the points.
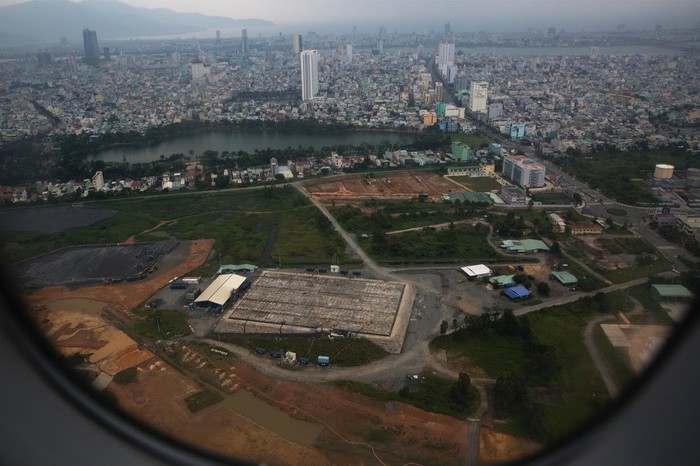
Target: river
(245, 140)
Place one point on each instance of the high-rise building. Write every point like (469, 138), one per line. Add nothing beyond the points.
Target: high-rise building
(446, 54)
(92, 50)
(199, 70)
(439, 92)
(309, 74)
(524, 171)
(594, 52)
(478, 95)
(297, 44)
(244, 41)
(447, 29)
(105, 52)
(382, 33)
(348, 53)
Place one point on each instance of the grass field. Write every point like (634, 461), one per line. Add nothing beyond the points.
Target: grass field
(431, 394)
(460, 242)
(257, 226)
(626, 245)
(638, 271)
(571, 390)
(342, 352)
(160, 324)
(481, 184)
(472, 140)
(201, 400)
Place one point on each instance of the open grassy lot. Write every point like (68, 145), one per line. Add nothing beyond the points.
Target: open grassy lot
(545, 355)
(201, 400)
(481, 184)
(258, 226)
(400, 215)
(457, 242)
(626, 245)
(615, 173)
(431, 394)
(472, 140)
(342, 352)
(160, 324)
(637, 271)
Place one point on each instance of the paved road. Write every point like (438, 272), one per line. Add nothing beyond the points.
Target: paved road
(595, 354)
(575, 296)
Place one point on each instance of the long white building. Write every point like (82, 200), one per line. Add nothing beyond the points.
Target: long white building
(524, 171)
(309, 74)
(478, 95)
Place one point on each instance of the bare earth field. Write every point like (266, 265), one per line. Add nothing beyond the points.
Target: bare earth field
(394, 186)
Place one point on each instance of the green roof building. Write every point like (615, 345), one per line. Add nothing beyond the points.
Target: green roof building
(524, 245)
(565, 278)
(502, 281)
(670, 293)
(236, 268)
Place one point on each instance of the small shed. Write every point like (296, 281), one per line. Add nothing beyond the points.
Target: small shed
(565, 278)
(476, 271)
(517, 292)
(502, 281)
(670, 293)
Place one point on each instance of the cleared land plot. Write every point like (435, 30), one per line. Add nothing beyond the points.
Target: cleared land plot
(389, 186)
(51, 220)
(91, 264)
(310, 301)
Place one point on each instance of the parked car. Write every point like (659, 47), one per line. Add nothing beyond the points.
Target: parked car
(260, 350)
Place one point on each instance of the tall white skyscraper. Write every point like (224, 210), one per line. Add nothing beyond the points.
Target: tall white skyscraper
(446, 54)
(478, 95)
(309, 74)
(348, 53)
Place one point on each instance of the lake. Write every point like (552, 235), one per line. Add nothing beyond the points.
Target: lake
(245, 140)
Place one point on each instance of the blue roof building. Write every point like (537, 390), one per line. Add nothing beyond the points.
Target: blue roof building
(517, 292)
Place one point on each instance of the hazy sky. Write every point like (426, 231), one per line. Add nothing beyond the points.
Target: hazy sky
(467, 15)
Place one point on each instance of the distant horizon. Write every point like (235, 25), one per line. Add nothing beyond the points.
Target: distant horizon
(418, 16)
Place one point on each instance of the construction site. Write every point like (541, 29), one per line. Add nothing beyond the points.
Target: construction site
(294, 304)
(396, 186)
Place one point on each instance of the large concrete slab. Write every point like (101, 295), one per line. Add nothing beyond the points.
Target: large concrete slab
(292, 303)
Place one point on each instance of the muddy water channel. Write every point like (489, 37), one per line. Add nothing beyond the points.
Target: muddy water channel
(268, 416)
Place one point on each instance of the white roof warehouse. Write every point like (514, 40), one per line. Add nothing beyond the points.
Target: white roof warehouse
(220, 290)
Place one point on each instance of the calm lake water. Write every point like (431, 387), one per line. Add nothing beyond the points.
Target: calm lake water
(247, 141)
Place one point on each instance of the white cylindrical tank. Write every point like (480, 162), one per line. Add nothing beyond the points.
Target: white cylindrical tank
(663, 171)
